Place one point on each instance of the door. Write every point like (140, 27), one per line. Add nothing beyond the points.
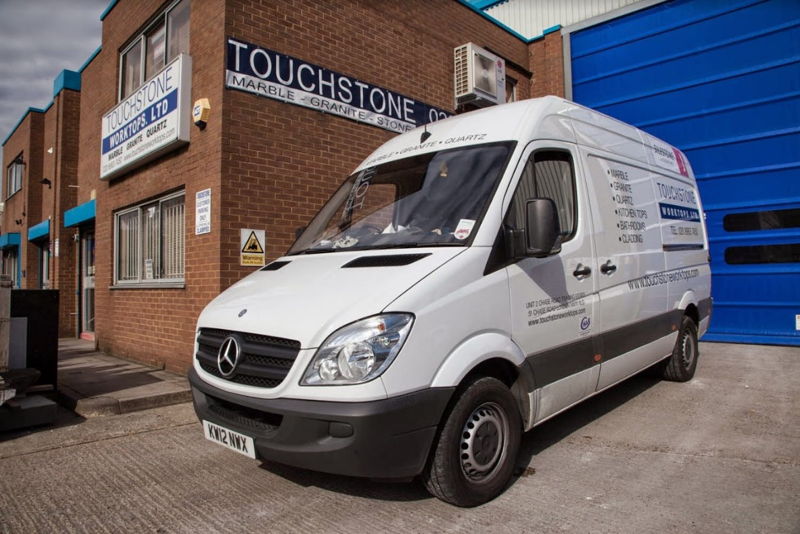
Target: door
(721, 81)
(633, 325)
(553, 299)
(87, 284)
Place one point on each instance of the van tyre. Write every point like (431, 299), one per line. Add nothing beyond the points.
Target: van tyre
(476, 449)
(680, 366)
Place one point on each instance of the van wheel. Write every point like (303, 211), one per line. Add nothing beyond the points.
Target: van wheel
(475, 453)
(681, 365)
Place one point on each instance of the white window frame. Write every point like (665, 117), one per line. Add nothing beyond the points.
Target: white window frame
(14, 175)
(157, 266)
(141, 39)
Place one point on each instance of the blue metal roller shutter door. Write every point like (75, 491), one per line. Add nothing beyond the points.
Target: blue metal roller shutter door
(720, 80)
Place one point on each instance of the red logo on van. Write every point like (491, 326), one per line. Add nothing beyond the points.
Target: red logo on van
(681, 162)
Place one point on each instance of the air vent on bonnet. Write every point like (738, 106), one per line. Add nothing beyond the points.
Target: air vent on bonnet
(275, 265)
(395, 260)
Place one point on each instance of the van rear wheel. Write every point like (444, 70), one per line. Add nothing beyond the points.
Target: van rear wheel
(474, 456)
(681, 365)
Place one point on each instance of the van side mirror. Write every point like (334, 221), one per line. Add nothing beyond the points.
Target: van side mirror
(541, 227)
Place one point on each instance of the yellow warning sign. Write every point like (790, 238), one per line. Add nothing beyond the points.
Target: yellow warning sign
(252, 245)
(252, 251)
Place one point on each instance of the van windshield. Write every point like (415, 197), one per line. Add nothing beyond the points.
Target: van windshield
(435, 199)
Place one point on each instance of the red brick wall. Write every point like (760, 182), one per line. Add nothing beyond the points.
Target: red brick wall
(155, 325)
(281, 162)
(270, 165)
(25, 204)
(64, 268)
(547, 64)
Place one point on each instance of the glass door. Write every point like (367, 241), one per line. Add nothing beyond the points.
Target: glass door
(87, 284)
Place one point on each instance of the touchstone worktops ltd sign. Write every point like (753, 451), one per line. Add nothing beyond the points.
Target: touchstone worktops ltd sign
(153, 120)
(263, 72)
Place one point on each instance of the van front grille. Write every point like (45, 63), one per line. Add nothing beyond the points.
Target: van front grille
(264, 361)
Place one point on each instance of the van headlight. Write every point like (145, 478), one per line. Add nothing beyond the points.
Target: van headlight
(360, 351)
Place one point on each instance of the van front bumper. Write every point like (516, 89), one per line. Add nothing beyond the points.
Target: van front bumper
(388, 438)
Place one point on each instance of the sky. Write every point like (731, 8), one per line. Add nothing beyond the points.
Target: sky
(39, 39)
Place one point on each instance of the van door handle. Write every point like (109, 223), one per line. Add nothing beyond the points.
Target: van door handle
(608, 267)
(581, 271)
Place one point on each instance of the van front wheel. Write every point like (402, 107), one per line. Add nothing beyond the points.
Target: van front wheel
(474, 456)
(680, 366)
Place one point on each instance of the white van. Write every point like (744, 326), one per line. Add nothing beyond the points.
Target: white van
(467, 282)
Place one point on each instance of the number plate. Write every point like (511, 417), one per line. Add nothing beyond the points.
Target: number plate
(228, 438)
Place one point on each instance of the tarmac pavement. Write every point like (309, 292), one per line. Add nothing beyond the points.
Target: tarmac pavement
(720, 453)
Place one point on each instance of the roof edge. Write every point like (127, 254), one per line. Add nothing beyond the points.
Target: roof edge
(24, 115)
(494, 21)
(66, 79)
(108, 9)
(90, 59)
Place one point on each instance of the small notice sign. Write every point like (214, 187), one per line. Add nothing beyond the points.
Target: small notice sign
(252, 247)
(202, 212)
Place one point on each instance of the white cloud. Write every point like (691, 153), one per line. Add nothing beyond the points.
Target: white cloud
(40, 38)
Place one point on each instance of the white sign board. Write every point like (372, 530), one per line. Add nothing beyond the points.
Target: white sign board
(252, 247)
(202, 212)
(153, 120)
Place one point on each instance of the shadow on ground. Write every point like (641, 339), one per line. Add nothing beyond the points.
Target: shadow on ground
(533, 443)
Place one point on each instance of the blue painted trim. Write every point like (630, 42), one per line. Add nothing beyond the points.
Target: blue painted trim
(494, 21)
(91, 58)
(79, 214)
(10, 239)
(66, 79)
(40, 230)
(108, 9)
(14, 129)
(552, 29)
(487, 4)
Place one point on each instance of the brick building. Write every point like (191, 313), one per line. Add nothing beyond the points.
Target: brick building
(115, 227)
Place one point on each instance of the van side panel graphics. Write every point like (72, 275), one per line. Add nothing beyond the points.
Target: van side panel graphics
(555, 364)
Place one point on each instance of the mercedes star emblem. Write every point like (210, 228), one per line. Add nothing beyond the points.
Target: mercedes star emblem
(228, 356)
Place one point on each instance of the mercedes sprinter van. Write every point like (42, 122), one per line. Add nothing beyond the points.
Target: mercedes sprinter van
(466, 282)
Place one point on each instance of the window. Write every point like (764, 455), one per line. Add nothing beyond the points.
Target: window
(14, 176)
(161, 42)
(761, 220)
(11, 265)
(511, 89)
(763, 254)
(548, 174)
(148, 242)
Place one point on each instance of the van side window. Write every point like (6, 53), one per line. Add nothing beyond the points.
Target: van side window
(547, 174)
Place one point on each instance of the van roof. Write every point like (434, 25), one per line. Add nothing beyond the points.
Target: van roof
(548, 117)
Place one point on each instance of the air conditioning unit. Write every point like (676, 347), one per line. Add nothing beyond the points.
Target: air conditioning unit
(480, 76)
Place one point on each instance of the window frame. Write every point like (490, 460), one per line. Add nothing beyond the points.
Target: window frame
(531, 158)
(16, 165)
(141, 38)
(158, 280)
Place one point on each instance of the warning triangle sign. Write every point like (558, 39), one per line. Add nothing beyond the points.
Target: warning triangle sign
(252, 245)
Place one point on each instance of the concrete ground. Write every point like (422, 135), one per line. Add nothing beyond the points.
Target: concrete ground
(92, 383)
(718, 454)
